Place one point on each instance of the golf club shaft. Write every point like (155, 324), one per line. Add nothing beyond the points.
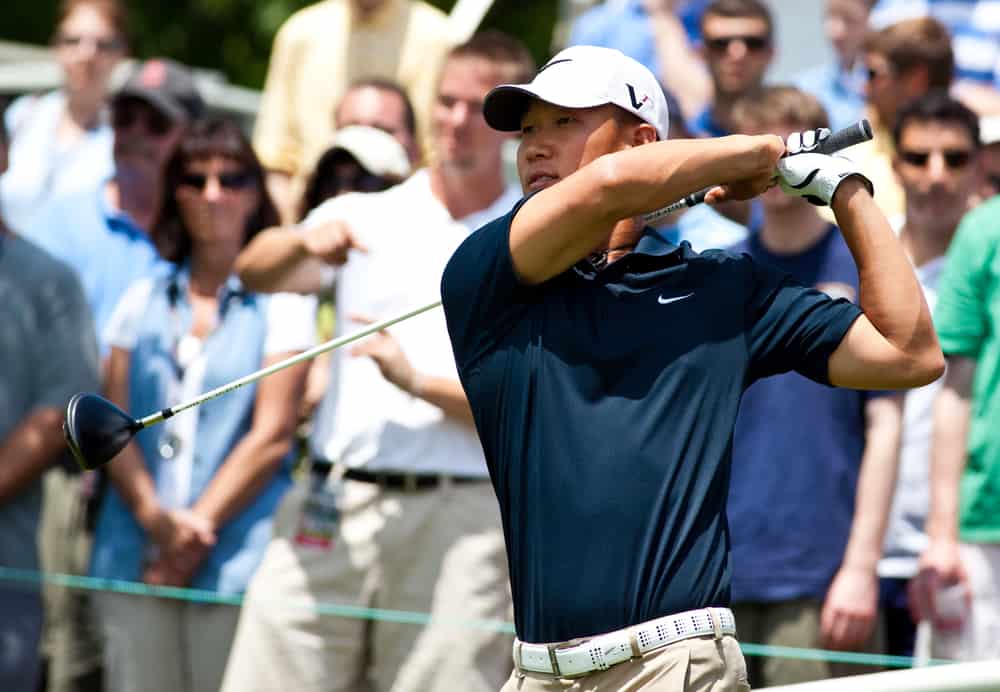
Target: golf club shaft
(160, 416)
(861, 131)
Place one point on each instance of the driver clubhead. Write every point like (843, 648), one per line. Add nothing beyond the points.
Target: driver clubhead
(96, 430)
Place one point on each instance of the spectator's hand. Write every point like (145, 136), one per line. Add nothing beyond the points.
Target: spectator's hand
(848, 615)
(182, 545)
(388, 356)
(331, 242)
(941, 572)
(767, 150)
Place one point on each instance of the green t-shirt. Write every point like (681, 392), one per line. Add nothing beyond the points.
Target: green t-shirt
(967, 318)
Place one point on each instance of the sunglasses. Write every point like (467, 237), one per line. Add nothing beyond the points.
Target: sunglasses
(753, 43)
(101, 45)
(953, 158)
(126, 113)
(227, 181)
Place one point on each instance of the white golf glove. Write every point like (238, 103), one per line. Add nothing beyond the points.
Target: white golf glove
(816, 177)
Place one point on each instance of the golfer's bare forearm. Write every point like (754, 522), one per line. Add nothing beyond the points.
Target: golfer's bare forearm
(952, 409)
(907, 353)
(29, 450)
(565, 222)
(876, 481)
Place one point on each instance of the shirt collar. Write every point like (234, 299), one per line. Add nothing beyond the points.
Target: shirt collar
(181, 278)
(378, 18)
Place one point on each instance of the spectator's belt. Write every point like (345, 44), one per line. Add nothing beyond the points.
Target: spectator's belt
(605, 650)
(408, 481)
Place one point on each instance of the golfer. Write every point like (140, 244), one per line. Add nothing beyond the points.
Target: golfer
(605, 366)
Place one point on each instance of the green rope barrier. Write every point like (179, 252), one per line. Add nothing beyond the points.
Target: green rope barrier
(23, 576)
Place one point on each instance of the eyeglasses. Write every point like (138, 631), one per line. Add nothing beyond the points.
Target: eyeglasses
(227, 181)
(127, 112)
(753, 43)
(953, 158)
(101, 45)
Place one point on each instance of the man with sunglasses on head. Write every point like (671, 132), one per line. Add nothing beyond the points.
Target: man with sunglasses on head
(103, 232)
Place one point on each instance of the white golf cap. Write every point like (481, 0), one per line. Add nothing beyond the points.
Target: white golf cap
(582, 77)
(377, 151)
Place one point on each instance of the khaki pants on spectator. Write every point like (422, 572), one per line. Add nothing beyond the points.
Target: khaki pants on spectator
(979, 637)
(702, 664)
(71, 640)
(164, 645)
(793, 623)
(435, 550)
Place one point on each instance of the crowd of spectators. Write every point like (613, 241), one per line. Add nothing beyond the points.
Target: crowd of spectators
(151, 250)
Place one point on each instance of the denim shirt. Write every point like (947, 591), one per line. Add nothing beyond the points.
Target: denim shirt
(235, 348)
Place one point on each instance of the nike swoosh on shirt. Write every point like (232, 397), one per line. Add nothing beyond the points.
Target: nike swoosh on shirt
(666, 301)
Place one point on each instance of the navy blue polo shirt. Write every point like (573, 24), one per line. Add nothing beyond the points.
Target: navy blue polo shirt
(605, 402)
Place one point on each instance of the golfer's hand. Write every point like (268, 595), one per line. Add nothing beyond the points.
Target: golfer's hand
(850, 608)
(382, 348)
(940, 568)
(331, 242)
(766, 151)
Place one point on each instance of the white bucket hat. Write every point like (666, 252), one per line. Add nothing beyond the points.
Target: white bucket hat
(582, 77)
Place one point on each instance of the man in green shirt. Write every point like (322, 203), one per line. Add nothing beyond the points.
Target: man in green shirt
(958, 587)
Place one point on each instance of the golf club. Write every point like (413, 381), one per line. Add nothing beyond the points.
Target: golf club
(859, 132)
(96, 430)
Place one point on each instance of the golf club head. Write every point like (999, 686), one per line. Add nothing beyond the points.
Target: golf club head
(96, 430)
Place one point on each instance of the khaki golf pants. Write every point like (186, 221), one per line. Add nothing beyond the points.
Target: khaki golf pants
(437, 551)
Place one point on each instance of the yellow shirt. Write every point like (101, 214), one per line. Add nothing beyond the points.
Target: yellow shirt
(320, 50)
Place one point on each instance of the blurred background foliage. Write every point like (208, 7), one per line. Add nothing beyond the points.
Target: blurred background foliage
(234, 36)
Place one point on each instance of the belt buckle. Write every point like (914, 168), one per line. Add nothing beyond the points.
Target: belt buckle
(553, 660)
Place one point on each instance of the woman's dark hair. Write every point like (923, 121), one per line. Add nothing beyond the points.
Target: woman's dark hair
(204, 139)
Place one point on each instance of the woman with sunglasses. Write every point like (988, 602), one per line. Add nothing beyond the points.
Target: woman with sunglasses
(61, 141)
(191, 503)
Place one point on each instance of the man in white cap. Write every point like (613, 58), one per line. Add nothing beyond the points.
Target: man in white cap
(604, 368)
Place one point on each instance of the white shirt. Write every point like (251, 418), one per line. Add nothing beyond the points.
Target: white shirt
(363, 419)
(905, 538)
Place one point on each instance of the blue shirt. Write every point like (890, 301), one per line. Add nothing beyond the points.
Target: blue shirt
(705, 125)
(235, 348)
(605, 402)
(973, 25)
(841, 93)
(796, 456)
(103, 245)
(626, 27)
